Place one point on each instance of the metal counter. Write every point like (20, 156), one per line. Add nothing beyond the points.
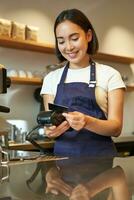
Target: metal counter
(29, 179)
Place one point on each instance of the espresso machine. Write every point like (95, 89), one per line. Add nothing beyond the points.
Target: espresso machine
(5, 82)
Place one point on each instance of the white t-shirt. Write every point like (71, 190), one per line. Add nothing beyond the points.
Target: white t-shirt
(107, 79)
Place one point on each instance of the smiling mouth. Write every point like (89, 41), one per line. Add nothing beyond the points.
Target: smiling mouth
(73, 54)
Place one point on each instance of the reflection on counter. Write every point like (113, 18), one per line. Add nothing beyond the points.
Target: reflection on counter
(71, 178)
(83, 179)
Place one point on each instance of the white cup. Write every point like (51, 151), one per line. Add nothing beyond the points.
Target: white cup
(29, 74)
(22, 73)
(12, 72)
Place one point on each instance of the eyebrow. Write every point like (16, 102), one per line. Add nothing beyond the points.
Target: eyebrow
(69, 35)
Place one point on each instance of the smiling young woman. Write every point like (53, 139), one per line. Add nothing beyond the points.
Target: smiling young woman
(73, 43)
(93, 92)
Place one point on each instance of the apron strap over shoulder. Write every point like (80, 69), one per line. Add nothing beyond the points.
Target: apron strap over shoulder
(63, 77)
(92, 82)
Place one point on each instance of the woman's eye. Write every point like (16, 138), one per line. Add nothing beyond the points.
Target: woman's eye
(60, 42)
(74, 39)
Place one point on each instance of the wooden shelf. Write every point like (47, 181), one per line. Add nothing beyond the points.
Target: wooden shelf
(49, 48)
(113, 58)
(38, 81)
(130, 88)
(26, 45)
(26, 81)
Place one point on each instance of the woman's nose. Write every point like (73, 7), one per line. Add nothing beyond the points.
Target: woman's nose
(69, 46)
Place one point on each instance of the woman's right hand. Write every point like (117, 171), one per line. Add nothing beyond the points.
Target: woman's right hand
(55, 131)
(55, 184)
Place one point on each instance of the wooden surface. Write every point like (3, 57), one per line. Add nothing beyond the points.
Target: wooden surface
(26, 45)
(29, 146)
(3, 133)
(38, 81)
(130, 88)
(50, 143)
(49, 48)
(114, 58)
(26, 81)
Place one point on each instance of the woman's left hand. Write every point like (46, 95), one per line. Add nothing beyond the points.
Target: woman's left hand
(76, 120)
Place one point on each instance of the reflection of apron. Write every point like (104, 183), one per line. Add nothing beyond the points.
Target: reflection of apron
(79, 96)
(83, 169)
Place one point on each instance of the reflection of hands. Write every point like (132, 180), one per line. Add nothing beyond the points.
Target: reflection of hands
(53, 131)
(80, 192)
(76, 120)
(55, 184)
(113, 178)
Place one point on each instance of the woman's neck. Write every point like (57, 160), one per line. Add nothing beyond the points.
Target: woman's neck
(82, 64)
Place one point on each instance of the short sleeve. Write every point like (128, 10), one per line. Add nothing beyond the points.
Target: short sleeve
(115, 81)
(47, 86)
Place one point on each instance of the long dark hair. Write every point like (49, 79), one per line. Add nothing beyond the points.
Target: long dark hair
(76, 17)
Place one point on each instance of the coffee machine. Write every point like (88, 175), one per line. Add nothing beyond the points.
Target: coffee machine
(5, 82)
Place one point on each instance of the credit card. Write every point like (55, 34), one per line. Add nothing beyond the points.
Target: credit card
(57, 107)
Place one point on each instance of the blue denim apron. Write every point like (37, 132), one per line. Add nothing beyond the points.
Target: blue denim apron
(79, 96)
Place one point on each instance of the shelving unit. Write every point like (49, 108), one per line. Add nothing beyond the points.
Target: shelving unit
(49, 48)
(38, 81)
(130, 88)
(113, 58)
(26, 45)
(26, 81)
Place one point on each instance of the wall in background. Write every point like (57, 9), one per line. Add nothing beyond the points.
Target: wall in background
(112, 21)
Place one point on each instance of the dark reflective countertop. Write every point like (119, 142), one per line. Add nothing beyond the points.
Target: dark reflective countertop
(53, 178)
